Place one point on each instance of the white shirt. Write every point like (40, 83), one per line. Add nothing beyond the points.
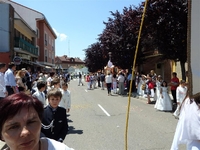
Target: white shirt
(2, 85)
(108, 78)
(40, 96)
(121, 78)
(66, 99)
(55, 145)
(9, 78)
(181, 93)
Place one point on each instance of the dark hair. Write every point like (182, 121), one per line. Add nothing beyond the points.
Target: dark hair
(54, 92)
(114, 76)
(11, 105)
(2, 65)
(40, 84)
(182, 81)
(164, 82)
(11, 64)
(65, 84)
(55, 81)
(174, 73)
(52, 74)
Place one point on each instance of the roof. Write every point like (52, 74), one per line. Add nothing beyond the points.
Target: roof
(65, 58)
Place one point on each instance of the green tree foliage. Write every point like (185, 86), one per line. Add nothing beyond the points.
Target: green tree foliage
(94, 58)
(165, 30)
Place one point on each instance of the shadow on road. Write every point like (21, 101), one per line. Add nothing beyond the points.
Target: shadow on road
(73, 131)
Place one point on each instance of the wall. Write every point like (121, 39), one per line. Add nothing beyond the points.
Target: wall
(4, 28)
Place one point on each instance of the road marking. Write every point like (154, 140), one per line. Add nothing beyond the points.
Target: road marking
(104, 110)
(86, 90)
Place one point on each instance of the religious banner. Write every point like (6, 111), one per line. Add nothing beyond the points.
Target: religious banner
(194, 47)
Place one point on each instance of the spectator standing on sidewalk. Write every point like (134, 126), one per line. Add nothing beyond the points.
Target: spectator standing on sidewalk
(121, 80)
(10, 79)
(102, 79)
(174, 84)
(149, 89)
(114, 83)
(3, 92)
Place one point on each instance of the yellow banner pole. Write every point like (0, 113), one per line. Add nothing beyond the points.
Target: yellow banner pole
(133, 70)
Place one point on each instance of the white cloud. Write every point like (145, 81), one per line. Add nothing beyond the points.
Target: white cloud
(61, 36)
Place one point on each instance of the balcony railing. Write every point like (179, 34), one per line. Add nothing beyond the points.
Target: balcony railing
(26, 46)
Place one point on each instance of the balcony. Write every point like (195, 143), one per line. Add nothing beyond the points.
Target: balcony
(26, 46)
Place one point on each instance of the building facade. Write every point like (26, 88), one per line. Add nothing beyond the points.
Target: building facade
(32, 36)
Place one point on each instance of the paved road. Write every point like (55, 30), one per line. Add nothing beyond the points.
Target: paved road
(97, 122)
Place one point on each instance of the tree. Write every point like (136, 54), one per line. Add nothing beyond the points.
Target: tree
(94, 58)
(120, 37)
(166, 25)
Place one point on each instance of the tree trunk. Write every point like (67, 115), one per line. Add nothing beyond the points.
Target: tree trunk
(183, 70)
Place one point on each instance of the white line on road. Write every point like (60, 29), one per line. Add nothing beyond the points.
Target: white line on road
(86, 90)
(104, 110)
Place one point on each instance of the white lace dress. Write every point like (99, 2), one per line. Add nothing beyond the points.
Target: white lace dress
(164, 102)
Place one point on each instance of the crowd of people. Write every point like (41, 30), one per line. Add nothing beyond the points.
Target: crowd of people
(36, 107)
(168, 96)
(36, 104)
(147, 86)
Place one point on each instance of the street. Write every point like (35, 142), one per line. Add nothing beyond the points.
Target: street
(97, 122)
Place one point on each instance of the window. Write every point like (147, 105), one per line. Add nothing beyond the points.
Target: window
(46, 54)
(52, 56)
(49, 40)
(52, 45)
(49, 54)
(45, 39)
(38, 50)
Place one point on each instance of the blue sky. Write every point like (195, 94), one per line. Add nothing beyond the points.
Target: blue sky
(77, 23)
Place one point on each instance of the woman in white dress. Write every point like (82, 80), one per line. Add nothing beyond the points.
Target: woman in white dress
(188, 127)
(142, 83)
(181, 92)
(114, 83)
(164, 102)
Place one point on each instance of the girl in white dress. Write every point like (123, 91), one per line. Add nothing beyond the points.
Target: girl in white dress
(158, 86)
(164, 102)
(140, 86)
(181, 92)
(188, 128)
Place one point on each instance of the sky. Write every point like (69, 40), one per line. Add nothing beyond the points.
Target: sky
(77, 23)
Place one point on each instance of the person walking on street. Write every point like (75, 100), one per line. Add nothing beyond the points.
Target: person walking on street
(3, 92)
(10, 79)
(181, 92)
(108, 80)
(80, 79)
